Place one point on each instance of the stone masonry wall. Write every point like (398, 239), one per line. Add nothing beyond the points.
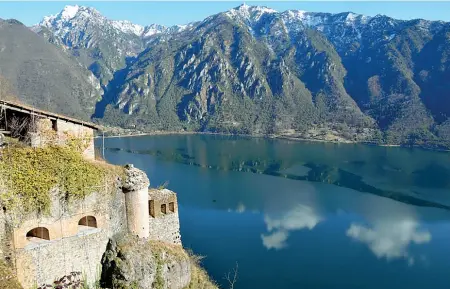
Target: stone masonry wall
(42, 264)
(165, 229)
(48, 133)
(74, 249)
(65, 129)
(164, 226)
(44, 134)
(71, 248)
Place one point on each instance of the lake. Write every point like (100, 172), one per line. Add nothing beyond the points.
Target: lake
(303, 214)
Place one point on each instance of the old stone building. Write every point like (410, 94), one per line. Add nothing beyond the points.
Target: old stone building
(39, 128)
(69, 242)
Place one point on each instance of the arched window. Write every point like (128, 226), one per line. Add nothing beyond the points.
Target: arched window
(88, 221)
(38, 233)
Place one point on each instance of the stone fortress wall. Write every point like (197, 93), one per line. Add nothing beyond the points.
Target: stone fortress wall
(71, 240)
(164, 222)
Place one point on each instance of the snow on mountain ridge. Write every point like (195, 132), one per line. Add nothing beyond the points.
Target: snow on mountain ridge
(341, 28)
(296, 20)
(128, 27)
(250, 13)
(153, 29)
(77, 17)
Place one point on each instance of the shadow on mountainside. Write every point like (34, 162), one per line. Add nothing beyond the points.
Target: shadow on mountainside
(112, 88)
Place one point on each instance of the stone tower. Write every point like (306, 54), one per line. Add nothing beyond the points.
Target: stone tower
(135, 188)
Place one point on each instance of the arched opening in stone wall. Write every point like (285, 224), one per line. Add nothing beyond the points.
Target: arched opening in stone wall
(151, 208)
(87, 222)
(172, 207)
(163, 209)
(37, 234)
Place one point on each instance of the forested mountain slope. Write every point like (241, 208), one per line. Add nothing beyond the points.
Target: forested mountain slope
(254, 70)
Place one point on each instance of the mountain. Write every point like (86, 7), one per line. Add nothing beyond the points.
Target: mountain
(99, 44)
(254, 70)
(220, 76)
(41, 74)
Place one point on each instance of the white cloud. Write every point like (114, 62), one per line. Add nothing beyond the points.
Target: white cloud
(390, 239)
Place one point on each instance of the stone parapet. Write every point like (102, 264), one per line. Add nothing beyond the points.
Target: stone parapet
(164, 223)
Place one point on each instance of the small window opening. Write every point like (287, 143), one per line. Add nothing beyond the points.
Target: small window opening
(54, 125)
(151, 208)
(38, 233)
(163, 209)
(172, 207)
(88, 221)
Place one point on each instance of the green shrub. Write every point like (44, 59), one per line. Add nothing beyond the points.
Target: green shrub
(28, 175)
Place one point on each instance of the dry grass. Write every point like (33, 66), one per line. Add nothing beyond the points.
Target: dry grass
(199, 277)
(173, 250)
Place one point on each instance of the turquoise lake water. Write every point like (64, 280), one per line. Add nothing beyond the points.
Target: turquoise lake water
(301, 214)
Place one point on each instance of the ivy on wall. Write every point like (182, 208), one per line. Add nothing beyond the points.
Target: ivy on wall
(28, 176)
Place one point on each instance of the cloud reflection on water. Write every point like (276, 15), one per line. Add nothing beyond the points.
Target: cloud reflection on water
(387, 228)
(390, 240)
(298, 218)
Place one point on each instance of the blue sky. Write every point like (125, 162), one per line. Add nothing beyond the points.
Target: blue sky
(170, 13)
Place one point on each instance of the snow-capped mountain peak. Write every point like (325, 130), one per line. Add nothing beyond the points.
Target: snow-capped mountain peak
(69, 11)
(74, 17)
(250, 13)
(71, 16)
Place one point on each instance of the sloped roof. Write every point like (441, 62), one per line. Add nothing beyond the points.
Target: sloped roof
(38, 112)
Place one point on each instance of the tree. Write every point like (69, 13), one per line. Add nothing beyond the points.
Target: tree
(231, 277)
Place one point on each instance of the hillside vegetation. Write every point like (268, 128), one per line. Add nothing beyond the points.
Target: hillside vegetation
(253, 70)
(42, 75)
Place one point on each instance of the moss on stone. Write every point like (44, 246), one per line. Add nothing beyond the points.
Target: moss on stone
(7, 279)
(28, 175)
(159, 280)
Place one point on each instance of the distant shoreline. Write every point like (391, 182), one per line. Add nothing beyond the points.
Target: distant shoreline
(281, 137)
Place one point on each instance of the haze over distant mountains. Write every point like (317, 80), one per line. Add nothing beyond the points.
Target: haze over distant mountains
(249, 70)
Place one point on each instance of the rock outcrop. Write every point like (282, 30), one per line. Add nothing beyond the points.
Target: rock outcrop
(130, 262)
